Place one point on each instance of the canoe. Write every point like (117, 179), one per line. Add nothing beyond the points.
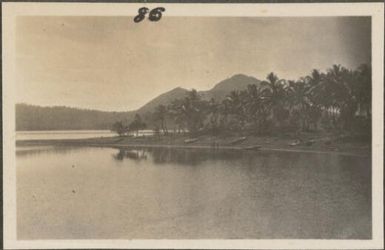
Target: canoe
(295, 143)
(190, 140)
(238, 140)
(256, 147)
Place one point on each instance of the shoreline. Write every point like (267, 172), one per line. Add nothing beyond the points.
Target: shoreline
(251, 143)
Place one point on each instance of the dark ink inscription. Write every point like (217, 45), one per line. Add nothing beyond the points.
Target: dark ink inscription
(154, 16)
(141, 14)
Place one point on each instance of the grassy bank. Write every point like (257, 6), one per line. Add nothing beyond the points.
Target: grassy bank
(322, 144)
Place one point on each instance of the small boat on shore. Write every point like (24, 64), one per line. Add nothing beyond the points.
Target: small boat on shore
(295, 143)
(238, 140)
(255, 147)
(190, 140)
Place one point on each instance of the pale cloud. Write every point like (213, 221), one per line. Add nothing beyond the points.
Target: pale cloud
(112, 63)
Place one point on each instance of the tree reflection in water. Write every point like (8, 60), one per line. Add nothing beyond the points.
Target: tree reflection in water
(136, 155)
(181, 156)
(35, 151)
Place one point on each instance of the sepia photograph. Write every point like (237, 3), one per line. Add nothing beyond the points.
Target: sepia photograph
(161, 124)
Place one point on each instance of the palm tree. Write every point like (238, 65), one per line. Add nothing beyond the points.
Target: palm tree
(255, 105)
(191, 111)
(276, 97)
(234, 110)
(214, 114)
(298, 92)
(119, 128)
(329, 92)
(362, 89)
(315, 81)
(315, 78)
(160, 115)
(342, 104)
(315, 96)
(176, 112)
(137, 124)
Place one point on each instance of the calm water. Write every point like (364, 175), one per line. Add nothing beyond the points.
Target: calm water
(62, 134)
(70, 134)
(107, 193)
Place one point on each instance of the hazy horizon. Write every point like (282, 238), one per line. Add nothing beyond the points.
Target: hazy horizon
(114, 64)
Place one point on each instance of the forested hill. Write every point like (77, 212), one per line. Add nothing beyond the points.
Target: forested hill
(31, 117)
(218, 92)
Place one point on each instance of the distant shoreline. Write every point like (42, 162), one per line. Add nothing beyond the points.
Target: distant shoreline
(315, 145)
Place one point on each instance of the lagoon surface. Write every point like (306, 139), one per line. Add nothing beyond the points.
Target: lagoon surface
(112, 193)
(71, 134)
(62, 134)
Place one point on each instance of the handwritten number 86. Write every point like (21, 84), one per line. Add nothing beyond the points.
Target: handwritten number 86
(155, 14)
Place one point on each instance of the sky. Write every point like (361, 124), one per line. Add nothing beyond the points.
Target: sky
(114, 64)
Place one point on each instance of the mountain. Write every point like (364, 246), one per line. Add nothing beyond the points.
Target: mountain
(31, 117)
(223, 88)
(163, 99)
(218, 92)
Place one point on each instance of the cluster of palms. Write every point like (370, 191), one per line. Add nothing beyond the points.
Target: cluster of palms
(123, 128)
(338, 99)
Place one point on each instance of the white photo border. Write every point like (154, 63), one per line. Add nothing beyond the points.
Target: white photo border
(11, 10)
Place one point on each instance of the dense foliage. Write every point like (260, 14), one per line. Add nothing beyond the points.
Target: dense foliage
(336, 100)
(31, 117)
(123, 128)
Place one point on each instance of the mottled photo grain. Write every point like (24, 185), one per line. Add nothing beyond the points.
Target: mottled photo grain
(165, 127)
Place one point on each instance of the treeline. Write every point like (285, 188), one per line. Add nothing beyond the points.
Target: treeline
(125, 127)
(31, 117)
(336, 100)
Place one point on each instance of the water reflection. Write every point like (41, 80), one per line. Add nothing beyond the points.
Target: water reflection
(186, 157)
(135, 155)
(35, 151)
(175, 193)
